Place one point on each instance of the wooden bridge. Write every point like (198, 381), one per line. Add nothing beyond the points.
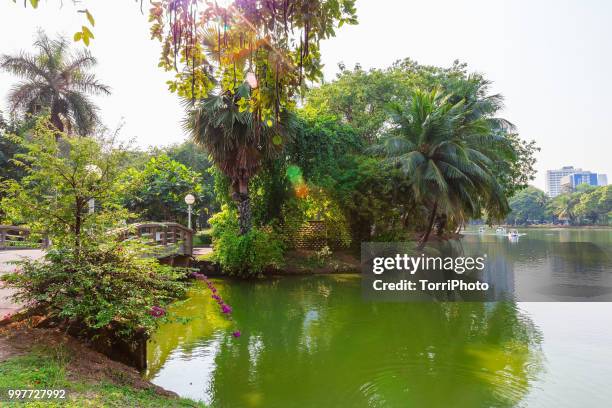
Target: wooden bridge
(173, 238)
(176, 238)
(12, 237)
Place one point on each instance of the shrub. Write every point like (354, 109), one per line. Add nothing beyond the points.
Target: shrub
(243, 255)
(110, 284)
(202, 238)
(88, 279)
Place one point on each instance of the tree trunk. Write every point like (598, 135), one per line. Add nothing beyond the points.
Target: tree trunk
(244, 213)
(432, 218)
(243, 202)
(441, 223)
(77, 224)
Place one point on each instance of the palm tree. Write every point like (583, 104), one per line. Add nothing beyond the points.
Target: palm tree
(57, 81)
(563, 207)
(237, 141)
(446, 153)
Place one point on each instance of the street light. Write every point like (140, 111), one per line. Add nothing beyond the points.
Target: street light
(95, 173)
(189, 200)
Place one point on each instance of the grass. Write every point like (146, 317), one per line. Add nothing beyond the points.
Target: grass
(45, 368)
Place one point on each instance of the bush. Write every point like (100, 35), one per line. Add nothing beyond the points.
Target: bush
(110, 285)
(243, 255)
(89, 279)
(202, 238)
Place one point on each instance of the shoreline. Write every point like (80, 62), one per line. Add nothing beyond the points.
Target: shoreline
(70, 364)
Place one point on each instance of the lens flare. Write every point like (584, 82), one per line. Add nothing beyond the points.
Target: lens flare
(301, 191)
(294, 174)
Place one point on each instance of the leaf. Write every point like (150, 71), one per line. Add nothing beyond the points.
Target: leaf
(34, 3)
(90, 18)
(87, 32)
(78, 36)
(269, 122)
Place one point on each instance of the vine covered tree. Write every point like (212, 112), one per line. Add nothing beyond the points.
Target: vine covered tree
(55, 81)
(241, 68)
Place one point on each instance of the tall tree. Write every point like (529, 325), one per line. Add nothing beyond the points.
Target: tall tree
(62, 176)
(157, 191)
(529, 204)
(241, 68)
(446, 153)
(55, 81)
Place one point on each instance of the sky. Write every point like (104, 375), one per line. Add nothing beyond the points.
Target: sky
(551, 59)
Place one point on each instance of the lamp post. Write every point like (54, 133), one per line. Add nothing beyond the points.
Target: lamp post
(94, 172)
(189, 200)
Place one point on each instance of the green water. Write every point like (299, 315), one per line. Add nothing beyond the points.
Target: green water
(313, 342)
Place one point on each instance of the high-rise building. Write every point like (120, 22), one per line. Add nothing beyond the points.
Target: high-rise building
(568, 178)
(571, 181)
(553, 179)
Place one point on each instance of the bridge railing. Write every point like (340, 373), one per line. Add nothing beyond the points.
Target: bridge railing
(13, 237)
(164, 234)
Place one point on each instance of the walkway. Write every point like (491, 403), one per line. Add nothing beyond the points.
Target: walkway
(7, 305)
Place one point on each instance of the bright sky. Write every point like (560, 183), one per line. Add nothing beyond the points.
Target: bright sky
(551, 59)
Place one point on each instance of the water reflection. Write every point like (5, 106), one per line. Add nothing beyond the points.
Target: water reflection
(312, 341)
(549, 265)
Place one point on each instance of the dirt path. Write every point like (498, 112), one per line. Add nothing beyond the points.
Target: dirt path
(7, 305)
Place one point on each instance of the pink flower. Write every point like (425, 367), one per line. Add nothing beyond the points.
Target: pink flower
(236, 333)
(157, 311)
(226, 309)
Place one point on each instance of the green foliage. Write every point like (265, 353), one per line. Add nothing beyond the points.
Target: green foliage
(515, 173)
(445, 153)
(589, 205)
(63, 173)
(157, 192)
(316, 205)
(595, 205)
(202, 238)
(8, 149)
(342, 119)
(269, 190)
(245, 255)
(529, 204)
(238, 143)
(111, 284)
(360, 98)
(87, 277)
(322, 148)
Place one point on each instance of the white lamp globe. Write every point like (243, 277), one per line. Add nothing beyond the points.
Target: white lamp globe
(189, 199)
(94, 171)
(251, 80)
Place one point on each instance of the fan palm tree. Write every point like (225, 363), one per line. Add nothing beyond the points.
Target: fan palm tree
(57, 81)
(237, 142)
(446, 153)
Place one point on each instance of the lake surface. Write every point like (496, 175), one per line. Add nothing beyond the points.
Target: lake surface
(314, 342)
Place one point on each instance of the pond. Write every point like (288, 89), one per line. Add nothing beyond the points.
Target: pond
(313, 341)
